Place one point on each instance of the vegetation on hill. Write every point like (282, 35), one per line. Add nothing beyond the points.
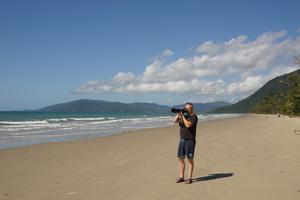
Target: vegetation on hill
(279, 95)
(99, 106)
(286, 102)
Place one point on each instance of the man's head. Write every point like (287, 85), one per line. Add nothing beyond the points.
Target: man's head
(189, 107)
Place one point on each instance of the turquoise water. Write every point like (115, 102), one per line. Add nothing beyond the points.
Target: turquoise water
(27, 128)
(39, 116)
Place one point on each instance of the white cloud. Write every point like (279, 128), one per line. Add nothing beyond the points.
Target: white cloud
(249, 85)
(238, 66)
(163, 55)
(123, 78)
(279, 71)
(94, 86)
(209, 48)
(167, 52)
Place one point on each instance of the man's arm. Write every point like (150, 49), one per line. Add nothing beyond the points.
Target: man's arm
(186, 122)
(176, 118)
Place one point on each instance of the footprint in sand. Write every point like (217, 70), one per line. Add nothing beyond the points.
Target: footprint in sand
(71, 193)
(295, 130)
(283, 156)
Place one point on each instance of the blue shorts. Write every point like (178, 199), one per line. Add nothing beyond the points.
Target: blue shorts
(186, 148)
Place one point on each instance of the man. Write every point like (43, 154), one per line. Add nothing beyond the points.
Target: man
(186, 148)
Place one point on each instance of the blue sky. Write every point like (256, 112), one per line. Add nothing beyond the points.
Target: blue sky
(166, 52)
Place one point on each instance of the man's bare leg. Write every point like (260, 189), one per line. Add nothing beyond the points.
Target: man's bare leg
(191, 168)
(181, 168)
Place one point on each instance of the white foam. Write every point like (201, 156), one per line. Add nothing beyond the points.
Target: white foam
(22, 122)
(57, 128)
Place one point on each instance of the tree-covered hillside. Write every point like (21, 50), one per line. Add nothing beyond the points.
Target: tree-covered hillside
(279, 95)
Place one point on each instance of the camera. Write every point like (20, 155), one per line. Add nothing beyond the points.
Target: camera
(184, 111)
(178, 110)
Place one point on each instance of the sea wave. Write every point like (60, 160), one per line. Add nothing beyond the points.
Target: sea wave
(19, 133)
(74, 123)
(22, 122)
(54, 120)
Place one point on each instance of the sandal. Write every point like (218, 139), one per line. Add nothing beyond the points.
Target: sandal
(188, 181)
(179, 180)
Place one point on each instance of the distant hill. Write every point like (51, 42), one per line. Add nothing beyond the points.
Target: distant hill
(206, 107)
(99, 106)
(87, 105)
(279, 95)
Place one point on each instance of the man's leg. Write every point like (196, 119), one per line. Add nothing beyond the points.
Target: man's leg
(190, 156)
(191, 168)
(181, 167)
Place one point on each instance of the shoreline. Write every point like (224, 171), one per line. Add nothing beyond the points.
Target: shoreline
(76, 137)
(250, 157)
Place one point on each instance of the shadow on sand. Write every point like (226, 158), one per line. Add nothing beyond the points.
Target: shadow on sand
(213, 176)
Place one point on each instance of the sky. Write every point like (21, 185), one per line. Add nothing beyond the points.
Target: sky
(164, 52)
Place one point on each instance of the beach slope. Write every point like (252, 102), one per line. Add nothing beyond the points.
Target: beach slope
(250, 157)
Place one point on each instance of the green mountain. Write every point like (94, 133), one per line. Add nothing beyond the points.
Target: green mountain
(279, 95)
(88, 105)
(98, 106)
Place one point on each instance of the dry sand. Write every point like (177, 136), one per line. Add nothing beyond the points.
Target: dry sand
(251, 157)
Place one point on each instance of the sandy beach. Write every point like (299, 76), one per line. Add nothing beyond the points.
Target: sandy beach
(250, 157)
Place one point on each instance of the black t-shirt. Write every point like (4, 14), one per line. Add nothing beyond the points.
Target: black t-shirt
(189, 133)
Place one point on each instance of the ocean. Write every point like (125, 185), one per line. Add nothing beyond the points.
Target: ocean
(23, 128)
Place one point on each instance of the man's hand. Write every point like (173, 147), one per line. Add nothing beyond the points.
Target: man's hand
(177, 117)
(186, 122)
(180, 114)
